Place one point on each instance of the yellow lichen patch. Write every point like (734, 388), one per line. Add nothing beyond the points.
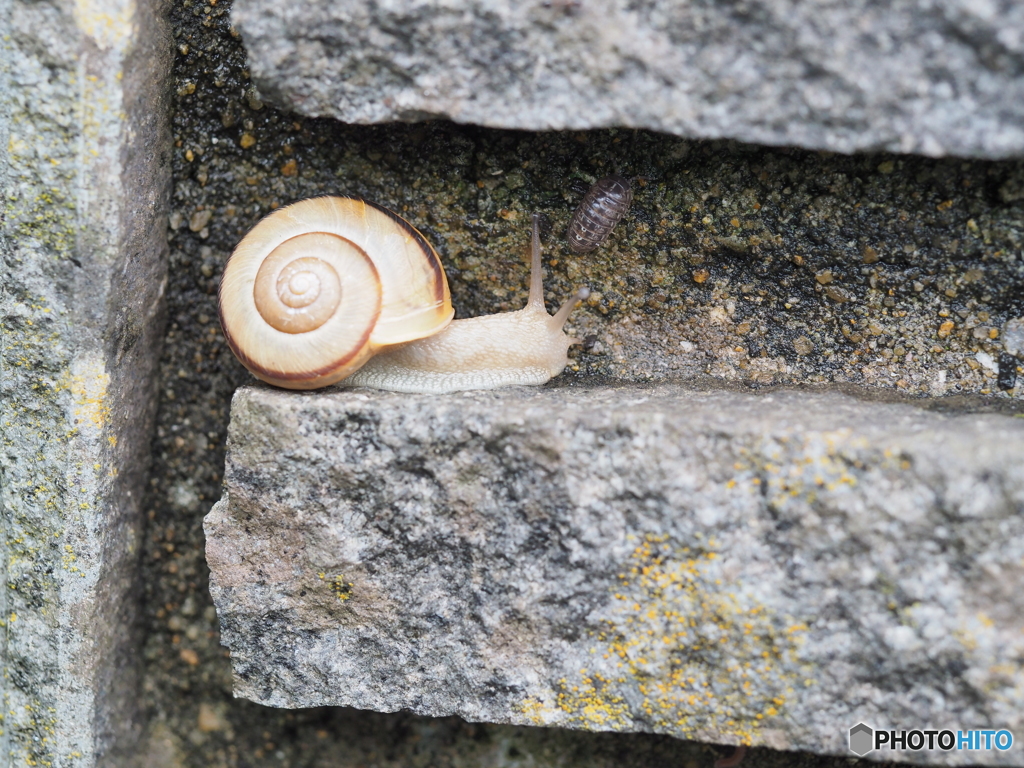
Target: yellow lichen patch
(826, 463)
(683, 653)
(109, 24)
(341, 588)
(536, 710)
(593, 702)
(89, 389)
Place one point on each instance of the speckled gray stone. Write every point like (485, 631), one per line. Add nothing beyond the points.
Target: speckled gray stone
(85, 181)
(941, 78)
(727, 566)
(1013, 336)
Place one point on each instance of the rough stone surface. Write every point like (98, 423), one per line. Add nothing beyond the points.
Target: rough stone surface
(941, 78)
(1013, 337)
(746, 263)
(86, 179)
(883, 226)
(734, 567)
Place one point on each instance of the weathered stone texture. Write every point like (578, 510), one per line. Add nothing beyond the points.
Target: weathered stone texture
(933, 228)
(728, 566)
(942, 78)
(86, 178)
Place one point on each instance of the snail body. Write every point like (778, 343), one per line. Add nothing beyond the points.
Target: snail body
(604, 205)
(389, 308)
(527, 346)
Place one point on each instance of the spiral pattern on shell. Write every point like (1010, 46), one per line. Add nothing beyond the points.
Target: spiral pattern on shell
(604, 205)
(318, 287)
(296, 292)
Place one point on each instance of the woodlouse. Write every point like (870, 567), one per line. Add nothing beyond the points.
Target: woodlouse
(601, 209)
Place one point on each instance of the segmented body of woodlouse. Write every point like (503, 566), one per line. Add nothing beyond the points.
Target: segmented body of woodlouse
(601, 209)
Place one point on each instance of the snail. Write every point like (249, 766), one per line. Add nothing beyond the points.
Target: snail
(336, 289)
(604, 205)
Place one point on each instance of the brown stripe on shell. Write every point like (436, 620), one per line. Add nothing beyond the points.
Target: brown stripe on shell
(421, 241)
(257, 369)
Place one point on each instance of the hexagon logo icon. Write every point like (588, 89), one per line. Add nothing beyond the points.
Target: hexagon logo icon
(862, 739)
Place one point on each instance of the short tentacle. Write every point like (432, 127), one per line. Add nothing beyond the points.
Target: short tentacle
(560, 317)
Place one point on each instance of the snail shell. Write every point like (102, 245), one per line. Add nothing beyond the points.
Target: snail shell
(604, 205)
(317, 287)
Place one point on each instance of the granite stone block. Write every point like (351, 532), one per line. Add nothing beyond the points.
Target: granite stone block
(728, 566)
(942, 78)
(85, 181)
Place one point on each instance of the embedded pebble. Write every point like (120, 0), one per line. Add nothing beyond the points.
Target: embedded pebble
(1013, 337)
